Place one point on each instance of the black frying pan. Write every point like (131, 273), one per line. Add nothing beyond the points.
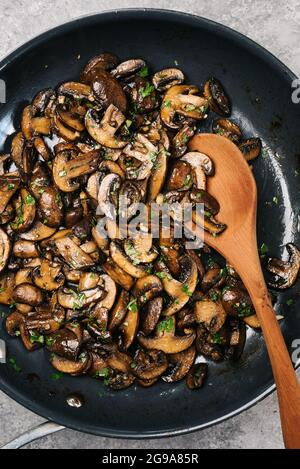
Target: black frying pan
(260, 88)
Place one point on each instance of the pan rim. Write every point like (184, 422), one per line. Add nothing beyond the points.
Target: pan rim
(257, 50)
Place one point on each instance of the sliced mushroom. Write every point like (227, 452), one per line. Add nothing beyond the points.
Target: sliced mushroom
(166, 341)
(32, 125)
(147, 288)
(227, 129)
(13, 322)
(238, 335)
(181, 99)
(217, 98)
(202, 166)
(211, 314)
(181, 139)
(76, 90)
(119, 361)
(64, 343)
(51, 207)
(73, 254)
(41, 148)
(5, 249)
(110, 289)
(105, 61)
(143, 151)
(71, 367)
(143, 95)
(129, 327)
(214, 277)
(107, 90)
(207, 345)
(211, 205)
(108, 194)
(197, 376)
(7, 284)
(70, 299)
(149, 365)
(128, 68)
(118, 381)
(119, 311)
(8, 187)
(28, 294)
(151, 315)
(104, 132)
(158, 175)
(118, 274)
(39, 179)
(25, 249)
(237, 302)
(139, 249)
(68, 134)
(25, 212)
(251, 148)
(181, 178)
(286, 271)
(38, 232)
(180, 365)
(120, 258)
(167, 78)
(179, 290)
(67, 167)
(48, 276)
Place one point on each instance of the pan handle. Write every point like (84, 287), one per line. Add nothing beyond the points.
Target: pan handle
(40, 431)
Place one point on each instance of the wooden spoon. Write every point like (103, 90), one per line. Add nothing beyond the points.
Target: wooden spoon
(235, 188)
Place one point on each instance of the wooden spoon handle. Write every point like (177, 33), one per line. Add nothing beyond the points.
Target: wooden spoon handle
(288, 387)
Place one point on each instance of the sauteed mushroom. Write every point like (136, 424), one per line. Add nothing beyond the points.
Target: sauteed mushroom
(217, 98)
(167, 78)
(287, 272)
(104, 132)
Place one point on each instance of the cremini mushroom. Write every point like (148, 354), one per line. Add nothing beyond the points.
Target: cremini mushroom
(167, 78)
(25, 212)
(286, 271)
(105, 61)
(180, 365)
(149, 364)
(182, 100)
(8, 187)
(228, 129)
(118, 274)
(28, 294)
(5, 249)
(197, 376)
(140, 249)
(73, 254)
(124, 262)
(128, 68)
(129, 327)
(202, 166)
(143, 151)
(77, 300)
(48, 276)
(210, 313)
(251, 148)
(104, 131)
(217, 98)
(107, 90)
(166, 340)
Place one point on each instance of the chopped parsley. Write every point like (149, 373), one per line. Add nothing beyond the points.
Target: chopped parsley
(104, 373)
(216, 339)
(56, 376)
(144, 72)
(166, 326)
(147, 90)
(30, 200)
(185, 139)
(161, 275)
(275, 200)
(14, 365)
(214, 296)
(185, 289)
(63, 174)
(128, 124)
(290, 302)
(11, 187)
(132, 306)
(243, 310)
(187, 180)
(12, 304)
(264, 249)
(176, 62)
(167, 103)
(36, 339)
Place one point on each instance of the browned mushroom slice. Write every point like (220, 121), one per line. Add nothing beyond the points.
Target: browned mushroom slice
(25, 249)
(107, 90)
(71, 367)
(41, 148)
(120, 258)
(139, 249)
(181, 99)
(129, 327)
(32, 125)
(128, 68)
(179, 290)
(70, 299)
(286, 271)
(73, 254)
(180, 365)
(105, 61)
(119, 361)
(151, 315)
(209, 223)
(237, 302)
(181, 178)
(118, 381)
(167, 78)
(238, 335)
(65, 132)
(66, 168)
(167, 342)
(147, 288)
(64, 343)
(7, 284)
(211, 314)
(17, 149)
(150, 364)
(110, 290)
(51, 207)
(25, 212)
(214, 277)
(143, 95)
(158, 175)
(43, 101)
(181, 139)
(227, 129)
(48, 276)
(119, 311)
(251, 148)
(98, 367)
(202, 166)
(28, 294)
(39, 179)
(88, 280)
(5, 248)
(8, 187)
(38, 232)
(144, 152)
(211, 205)
(76, 90)
(197, 376)
(46, 321)
(104, 132)
(108, 194)
(118, 275)
(13, 323)
(217, 98)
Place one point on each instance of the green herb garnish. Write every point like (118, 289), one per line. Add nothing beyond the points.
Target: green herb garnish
(56, 376)
(166, 326)
(147, 90)
(264, 249)
(36, 339)
(11, 187)
(290, 302)
(14, 365)
(144, 72)
(185, 289)
(30, 200)
(132, 306)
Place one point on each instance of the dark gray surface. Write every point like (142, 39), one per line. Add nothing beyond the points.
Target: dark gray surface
(274, 25)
